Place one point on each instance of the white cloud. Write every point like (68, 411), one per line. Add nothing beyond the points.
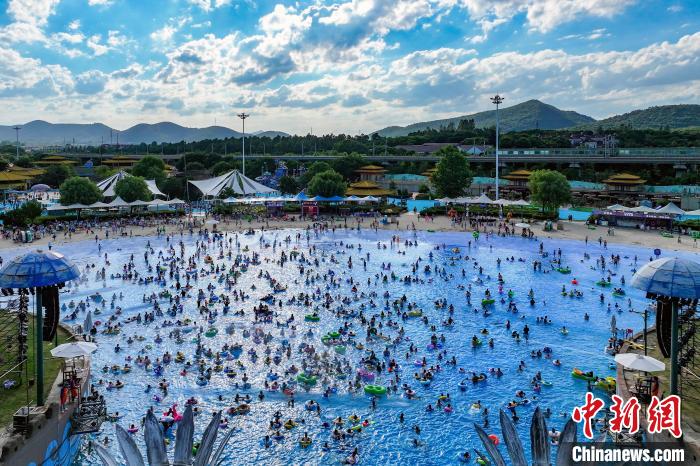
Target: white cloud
(34, 12)
(74, 25)
(100, 2)
(209, 5)
(164, 34)
(94, 43)
(541, 15)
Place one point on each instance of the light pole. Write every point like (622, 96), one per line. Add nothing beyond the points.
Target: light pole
(17, 128)
(497, 99)
(243, 116)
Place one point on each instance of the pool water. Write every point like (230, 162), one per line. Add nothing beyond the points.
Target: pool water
(577, 215)
(386, 441)
(415, 205)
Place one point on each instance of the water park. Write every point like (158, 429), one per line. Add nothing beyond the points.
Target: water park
(326, 344)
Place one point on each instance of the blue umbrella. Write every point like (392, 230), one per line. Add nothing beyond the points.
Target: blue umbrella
(671, 276)
(37, 269)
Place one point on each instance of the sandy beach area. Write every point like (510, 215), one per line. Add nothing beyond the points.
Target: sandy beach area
(571, 230)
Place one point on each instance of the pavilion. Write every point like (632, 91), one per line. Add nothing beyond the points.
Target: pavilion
(624, 182)
(56, 160)
(120, 161)
(371, 173)
(10, 180)
(367, 188)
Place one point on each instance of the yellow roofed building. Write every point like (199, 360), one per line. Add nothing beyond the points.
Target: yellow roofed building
(367, 188)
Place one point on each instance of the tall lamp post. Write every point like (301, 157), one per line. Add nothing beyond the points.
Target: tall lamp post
(17, 128)
(243, 116)
(497, 99)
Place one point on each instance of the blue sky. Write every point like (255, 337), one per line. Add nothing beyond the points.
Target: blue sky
(336, 65)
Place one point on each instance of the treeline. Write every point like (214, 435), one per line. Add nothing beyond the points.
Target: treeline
(464, 133)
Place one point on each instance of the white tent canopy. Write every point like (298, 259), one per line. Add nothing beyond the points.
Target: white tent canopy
(671, 208)
(107, 185)
(639, 362)
(118, 202)
(617, 207)
(73, 350)
(235, 180)
(642, 208)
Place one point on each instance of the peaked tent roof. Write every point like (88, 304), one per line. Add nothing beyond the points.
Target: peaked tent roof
(107, 185)
(118, 202)
(239, 183)
(153, 188)
(671, 208)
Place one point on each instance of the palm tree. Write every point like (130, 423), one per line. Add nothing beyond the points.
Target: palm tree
(539, 443)
(155, 444)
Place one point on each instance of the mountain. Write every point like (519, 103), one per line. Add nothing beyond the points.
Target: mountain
(42, 133)
(172, 132)
(673, 116)
(527, 115)
(271, 134)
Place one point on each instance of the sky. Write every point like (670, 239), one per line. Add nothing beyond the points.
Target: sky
(338, 66)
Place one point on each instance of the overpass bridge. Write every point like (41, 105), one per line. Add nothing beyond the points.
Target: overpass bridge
(677, 156)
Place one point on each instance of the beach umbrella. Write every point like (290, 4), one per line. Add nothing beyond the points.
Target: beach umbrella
(522, 225)
(40, 188)
(37, 269)
(212, 222)
(74, 349)
(670, 278)
(639, 362)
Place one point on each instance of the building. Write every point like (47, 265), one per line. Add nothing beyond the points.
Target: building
(55, 160)
(625, 183)
(120, 162)
(371, 173)
(405, 182)
(367, 188)
(590, 141)
(518, 179)
(10, 180)
(429, 148)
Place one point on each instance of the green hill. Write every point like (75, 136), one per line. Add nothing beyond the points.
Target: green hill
(673, 116)
(527, 115)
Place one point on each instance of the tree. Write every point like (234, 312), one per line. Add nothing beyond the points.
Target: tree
(549, 188)
(314, 169)
(132, 188)
(221, 167)
(288, 185)
(173, 187)
(55, 175)
(226, 193)
(150, 168)
(23, 215)
(79, 190)
(103, 171)
(452, 176)
(25, 162)
(327, 184)
(348, 163)
(4, 163)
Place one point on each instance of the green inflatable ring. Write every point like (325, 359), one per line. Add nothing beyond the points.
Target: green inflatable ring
(375, 390)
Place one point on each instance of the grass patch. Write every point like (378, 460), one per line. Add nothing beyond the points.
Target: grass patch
(16, 397)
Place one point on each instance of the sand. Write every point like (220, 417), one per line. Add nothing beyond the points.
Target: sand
(571, 230)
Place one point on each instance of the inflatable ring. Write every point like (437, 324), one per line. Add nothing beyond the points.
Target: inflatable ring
(376, 390)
